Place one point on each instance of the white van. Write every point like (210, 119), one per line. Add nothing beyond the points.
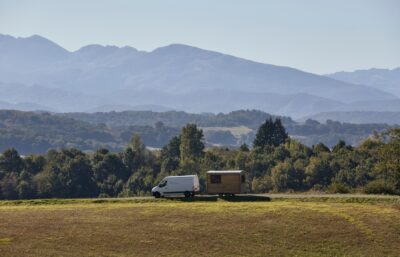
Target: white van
(172, 185)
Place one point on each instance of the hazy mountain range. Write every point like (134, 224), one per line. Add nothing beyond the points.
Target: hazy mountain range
(36, 72)
(383, 79)
(391, 118)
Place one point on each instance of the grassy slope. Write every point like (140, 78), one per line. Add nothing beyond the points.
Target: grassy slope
(146, 227)
(237, 132)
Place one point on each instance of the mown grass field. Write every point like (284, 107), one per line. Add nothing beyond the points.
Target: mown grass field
(285, 226)
(235, 131)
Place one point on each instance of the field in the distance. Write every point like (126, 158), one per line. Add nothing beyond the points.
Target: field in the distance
(235, 131)
(305, 226)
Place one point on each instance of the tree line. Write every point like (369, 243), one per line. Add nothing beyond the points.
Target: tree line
(274, 163)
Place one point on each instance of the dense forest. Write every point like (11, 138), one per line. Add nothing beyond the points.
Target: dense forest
(35, 132)
(248, 118)
(274, 163)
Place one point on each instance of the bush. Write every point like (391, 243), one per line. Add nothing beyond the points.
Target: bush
(378, 187)
(262, 185)
(338, 188)
(318, 188)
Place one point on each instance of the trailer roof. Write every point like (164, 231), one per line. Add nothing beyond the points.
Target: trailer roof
(224, 171)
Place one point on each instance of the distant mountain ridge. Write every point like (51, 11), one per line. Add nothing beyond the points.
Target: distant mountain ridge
(120, 108)
(357, 117)
(176, 77)
(383, 79)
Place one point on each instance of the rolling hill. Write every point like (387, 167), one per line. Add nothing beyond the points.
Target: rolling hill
(38, 132)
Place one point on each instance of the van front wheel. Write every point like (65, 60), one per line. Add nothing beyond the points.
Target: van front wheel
(157, 195)
(187, 194)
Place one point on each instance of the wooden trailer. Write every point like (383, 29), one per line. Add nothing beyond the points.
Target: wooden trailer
(226, 182)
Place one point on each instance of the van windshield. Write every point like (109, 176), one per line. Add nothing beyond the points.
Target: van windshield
(163, 183)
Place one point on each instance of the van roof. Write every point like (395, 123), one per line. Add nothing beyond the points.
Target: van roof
(184, 176)
(224, 171)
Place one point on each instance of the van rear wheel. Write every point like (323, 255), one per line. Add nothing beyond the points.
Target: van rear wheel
(187, 194)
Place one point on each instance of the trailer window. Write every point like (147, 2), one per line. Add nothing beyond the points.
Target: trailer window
(243, 179)
(215, 179)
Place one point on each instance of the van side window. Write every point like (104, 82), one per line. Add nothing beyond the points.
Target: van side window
(162, 183)
(215, 179)
(243, 179)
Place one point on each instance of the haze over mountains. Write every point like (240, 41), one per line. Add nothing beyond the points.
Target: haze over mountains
(383, 79)
(38, 74)
(357, 117)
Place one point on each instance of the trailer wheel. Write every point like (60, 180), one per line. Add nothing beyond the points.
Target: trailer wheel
(187, 194)
(157, 195)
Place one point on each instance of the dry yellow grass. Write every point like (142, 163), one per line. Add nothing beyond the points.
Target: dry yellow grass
(173, 228)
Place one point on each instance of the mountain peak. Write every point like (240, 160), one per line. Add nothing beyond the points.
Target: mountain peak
(177, 46)
(106, 48)
(95, 47)
(41, 41)
(29, 52)
(35, 37)
(179, 49)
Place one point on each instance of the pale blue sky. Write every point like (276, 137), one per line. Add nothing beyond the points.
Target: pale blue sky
(319, 36)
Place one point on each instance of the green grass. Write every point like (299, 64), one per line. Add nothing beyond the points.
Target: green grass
(235, 131)
(285, 226)
(335, 198)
